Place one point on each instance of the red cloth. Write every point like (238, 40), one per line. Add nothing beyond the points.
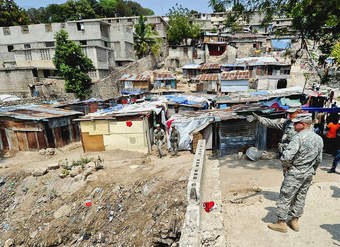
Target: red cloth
(128, 123)
(124, 102)
(169, 123)
(134, 100)
(88, 204)
(208, 206)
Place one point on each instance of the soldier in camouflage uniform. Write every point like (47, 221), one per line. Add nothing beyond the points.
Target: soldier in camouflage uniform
(300, 160)
(159, 139)
(286, 125)
(174, 140)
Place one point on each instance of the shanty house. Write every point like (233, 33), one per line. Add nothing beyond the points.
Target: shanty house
(210, 68)
(216, 43)
(165, 80)
(124, 127)
(191, 70)
(270, 73)
(133, 81)
(208, 83)
(231, 67)
(33, 127)
(234, 81)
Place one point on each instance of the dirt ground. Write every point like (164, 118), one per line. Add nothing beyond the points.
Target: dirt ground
(136, 200)
(249, 193)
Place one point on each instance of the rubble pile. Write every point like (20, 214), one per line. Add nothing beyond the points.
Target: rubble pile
(46, 210)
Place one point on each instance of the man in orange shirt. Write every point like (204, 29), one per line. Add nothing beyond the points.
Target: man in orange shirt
(331, 136)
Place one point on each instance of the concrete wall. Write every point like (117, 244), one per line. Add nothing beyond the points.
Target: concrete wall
(182, 55)
(15, 80)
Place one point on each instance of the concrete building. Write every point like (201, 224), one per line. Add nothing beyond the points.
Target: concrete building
(181, 55)
(269, 73)
(157, 23)
(26, 52)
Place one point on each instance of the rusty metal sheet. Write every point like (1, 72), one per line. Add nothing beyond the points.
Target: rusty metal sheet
(92, 143)
(13, 139)
(57, 137)
(41, 140)
(32, 140)
(22, 141)
(5, 144)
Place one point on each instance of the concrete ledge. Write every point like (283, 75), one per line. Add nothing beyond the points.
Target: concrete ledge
(190, 234)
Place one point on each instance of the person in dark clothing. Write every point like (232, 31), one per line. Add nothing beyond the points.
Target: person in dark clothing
(337, 156)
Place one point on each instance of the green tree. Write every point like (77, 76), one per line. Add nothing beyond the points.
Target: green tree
(180, 26)
(106, 8)
(217, 5)
(73, 66)
(336, 52)
(144, 41)
(11, 14)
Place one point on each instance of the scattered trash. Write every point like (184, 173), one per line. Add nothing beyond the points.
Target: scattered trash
(99, 190)
(237, 201)
(110, 219)
(112, 213)
(209, 206)
(11, 185)
(88, 203)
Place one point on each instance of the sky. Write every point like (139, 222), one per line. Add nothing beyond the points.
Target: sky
(160, 7)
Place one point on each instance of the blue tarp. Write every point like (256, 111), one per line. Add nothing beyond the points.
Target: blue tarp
(131, 92)
(261, 92)
(321, 109)
(280, 44)
(183, 100)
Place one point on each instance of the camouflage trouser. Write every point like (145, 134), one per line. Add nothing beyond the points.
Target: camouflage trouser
(159, 145)
(174, 148)
(293, 193)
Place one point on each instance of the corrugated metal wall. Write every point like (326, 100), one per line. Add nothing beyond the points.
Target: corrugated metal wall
(235, 135)
(234, 86)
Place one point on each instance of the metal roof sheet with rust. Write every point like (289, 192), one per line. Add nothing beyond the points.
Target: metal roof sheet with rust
(235, 75)
(208, 77)
(135, 77)
(165, 76)
(35, 112)
(210, 66)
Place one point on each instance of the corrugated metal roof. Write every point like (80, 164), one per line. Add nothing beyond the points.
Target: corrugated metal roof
(134, 77)
(235, 75)
(252, 61)
(35, 112)
(208, 77)
(210, 66)
(191, 66)
(165, 76)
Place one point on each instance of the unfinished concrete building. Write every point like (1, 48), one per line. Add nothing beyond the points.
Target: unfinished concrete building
(26, 52)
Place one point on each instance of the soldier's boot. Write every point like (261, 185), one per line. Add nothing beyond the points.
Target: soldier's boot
(280, 226)
(294, 224)
(332, 170)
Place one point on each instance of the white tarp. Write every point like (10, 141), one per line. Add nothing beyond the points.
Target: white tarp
(8, 98)
(186, 125)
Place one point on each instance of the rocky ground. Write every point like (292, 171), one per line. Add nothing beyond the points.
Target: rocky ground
(72, 199)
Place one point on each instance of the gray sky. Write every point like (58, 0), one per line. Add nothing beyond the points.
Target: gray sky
(160, 7)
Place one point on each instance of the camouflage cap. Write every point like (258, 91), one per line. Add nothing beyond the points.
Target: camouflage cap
(302, 117)
(293, 107)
